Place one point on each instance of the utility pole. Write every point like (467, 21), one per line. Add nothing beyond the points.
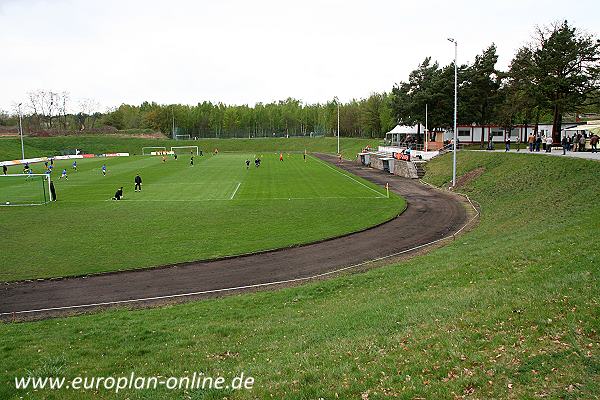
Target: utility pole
(455, 109)
(426, 131)
(21, 132)
(337, 102)
(173, 128)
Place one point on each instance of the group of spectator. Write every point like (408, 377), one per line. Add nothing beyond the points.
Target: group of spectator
(537, 142)
(577, 143)
(573, 143)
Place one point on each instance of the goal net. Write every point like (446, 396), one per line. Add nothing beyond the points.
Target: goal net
(182, 137)
(24, 189)
(147, 151)
(185, 150)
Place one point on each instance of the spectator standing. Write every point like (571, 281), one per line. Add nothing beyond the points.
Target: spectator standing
(549, 142)
(582, 143)
(531, 141)
(538, 143)
(594, 142)
(565, 145)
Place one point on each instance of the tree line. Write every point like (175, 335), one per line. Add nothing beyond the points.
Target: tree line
(556, 73)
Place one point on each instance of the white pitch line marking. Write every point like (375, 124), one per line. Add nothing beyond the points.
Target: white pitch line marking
(235, 191)
(129, 200)
(348, 176)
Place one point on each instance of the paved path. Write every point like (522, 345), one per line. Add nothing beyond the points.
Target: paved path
(431, 214)
(583, 154)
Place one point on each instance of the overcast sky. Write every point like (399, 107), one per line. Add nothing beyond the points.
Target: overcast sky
(243, 52)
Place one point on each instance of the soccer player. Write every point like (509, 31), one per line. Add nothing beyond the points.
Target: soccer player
(304, 155)
(280, 156)
(118, 194)
(164, 159)
(191, 161)
(4, 169)
(175, 156)
(29, 174)
(138, 183)
(75, 166)
(52, 191)
(247, 164)
(64, 174)
(104, 169)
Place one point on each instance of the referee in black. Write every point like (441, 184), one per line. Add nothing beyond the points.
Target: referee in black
(138, 183)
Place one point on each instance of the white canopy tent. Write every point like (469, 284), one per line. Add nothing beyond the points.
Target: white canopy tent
(399, 133)
(584, 127)
(407, 130)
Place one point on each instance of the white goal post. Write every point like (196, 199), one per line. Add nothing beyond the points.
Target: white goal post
(182, 137)
(192, 149)
(147, 151)
(24, 189)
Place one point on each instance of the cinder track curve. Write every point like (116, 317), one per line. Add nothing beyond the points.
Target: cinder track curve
(430, 216)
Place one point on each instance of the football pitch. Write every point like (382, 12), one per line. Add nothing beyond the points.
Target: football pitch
(216, 208)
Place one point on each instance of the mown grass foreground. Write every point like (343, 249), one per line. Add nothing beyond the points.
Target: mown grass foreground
(508, 310)
(217, 207)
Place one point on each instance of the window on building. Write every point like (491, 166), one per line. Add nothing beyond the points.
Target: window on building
(496, 133)
(464, 133)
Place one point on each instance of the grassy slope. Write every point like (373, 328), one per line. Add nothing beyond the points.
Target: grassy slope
(40, 147)
(187, 211)
(509, 310)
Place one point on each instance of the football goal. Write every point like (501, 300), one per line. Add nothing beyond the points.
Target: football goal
(185, 149)
(147, 151)
(24, 189)
(182, 137)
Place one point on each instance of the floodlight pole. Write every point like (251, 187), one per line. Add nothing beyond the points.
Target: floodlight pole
(338, 125)
(173, 115)
(455, 107)
(21, 133)
(426, 132)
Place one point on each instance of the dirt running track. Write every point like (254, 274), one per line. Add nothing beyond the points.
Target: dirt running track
(431, 214)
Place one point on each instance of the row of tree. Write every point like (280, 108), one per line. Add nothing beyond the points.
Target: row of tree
(557, 72)
(370, 117)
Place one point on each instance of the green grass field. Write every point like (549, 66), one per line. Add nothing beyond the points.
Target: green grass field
(510, 310)
(215, 208)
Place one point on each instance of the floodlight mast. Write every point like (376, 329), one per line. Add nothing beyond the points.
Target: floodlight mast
(21, 132)
(173, 128)
(338, 123)
(455, 134)
(426, 131)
